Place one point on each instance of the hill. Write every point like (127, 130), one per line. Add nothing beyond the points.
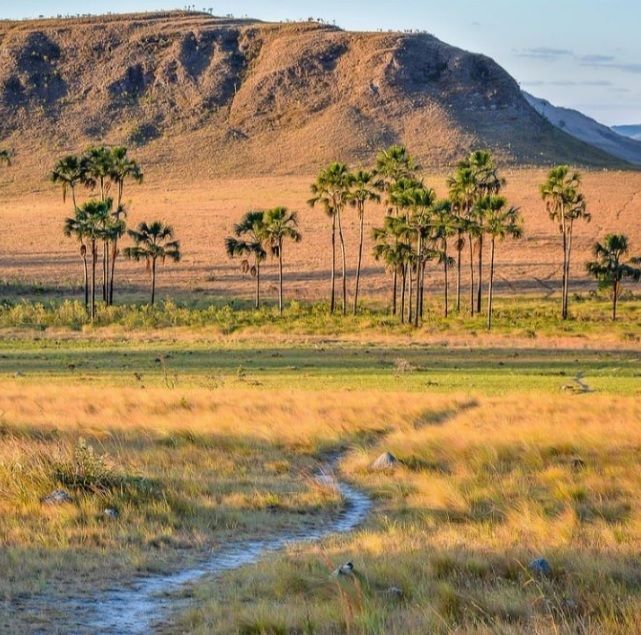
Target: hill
(203, 96)
(587, 129)
(629, 131)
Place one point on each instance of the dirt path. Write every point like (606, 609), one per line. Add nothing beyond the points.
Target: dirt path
(136, 608)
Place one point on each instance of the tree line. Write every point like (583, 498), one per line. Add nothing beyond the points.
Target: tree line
(420, 234)
(100, 222)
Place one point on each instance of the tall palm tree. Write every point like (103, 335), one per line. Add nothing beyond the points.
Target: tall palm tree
(446, 223)
(122, 168)
(565, 205)
(77, 226)
(362, 191)
(462, 190)
(280, 225)
(394, 165)
(609, 268)
(488, 183)
(392, 248)
(97, 165)
(152, 242)
(251, 226)
(501, 221)
(68, 172)
(331, 190)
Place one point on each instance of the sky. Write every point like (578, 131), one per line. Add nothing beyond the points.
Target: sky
(582, 54)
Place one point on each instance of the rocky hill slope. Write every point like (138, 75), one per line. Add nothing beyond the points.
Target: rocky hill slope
(202, 96)
(587, 129)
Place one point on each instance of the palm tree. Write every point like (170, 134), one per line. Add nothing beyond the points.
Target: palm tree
(501, 222)
(565, 204)
(97, 166)
(78, 227)
(361, 191)
(252, 225)
(68, 172)
(609, 269)
(122, 168)
(394, 165)
(446, 224)
(91, 222)
(391, 247)
(487, 183)
(152, 242)
(462, 188)
(280, 224)
(331, 190)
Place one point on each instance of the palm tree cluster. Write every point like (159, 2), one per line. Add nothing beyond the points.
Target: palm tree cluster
(419, 228)
(99, 222)
(258, 233)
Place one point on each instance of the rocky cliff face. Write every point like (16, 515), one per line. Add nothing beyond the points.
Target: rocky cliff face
(213, 96)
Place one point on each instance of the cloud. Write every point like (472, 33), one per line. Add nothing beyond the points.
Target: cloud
(595, 59)
(544, 53)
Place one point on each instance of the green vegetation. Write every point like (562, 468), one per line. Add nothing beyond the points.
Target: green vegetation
(609, 270)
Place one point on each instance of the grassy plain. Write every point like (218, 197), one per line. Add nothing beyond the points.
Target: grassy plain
(212, 431)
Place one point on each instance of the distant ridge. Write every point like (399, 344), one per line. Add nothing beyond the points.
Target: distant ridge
(586, 129)
(634, 132)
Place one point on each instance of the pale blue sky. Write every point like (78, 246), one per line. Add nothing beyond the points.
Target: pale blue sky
(584, 54)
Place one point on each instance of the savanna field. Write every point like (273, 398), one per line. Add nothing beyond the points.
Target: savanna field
(198, 436)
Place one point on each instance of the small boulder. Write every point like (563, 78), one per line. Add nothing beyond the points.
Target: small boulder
(385, 461)
(57, 497)
(111, 513)
(540, 566)
(346, 569)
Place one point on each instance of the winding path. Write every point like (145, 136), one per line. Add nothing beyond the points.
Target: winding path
(135, 609)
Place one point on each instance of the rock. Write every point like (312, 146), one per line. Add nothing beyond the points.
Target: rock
(385, 461)
(57, 497)
(540, 566)
(345, 569)
(19, 374)
(111, 513)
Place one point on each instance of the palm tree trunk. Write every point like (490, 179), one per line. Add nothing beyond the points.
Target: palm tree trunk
(257, 303)
(114, 253)
(459, 251)
(419, 249)
(280, 278)
(490, 292)
(471, 276)
(105, 270)
(567, 272)
(73, 197)
(445, 267)
(422, 290)
(410, 294)
(564, 314)
(615, 296)
(480, 279)
(344, 261)
(94, 259)
(394, 291)
(86, 278)
(153, 281)
(332, 303)
(403, 281)
(360, 257)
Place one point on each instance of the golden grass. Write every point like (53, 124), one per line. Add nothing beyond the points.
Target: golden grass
(486, 485)
(204, 212)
